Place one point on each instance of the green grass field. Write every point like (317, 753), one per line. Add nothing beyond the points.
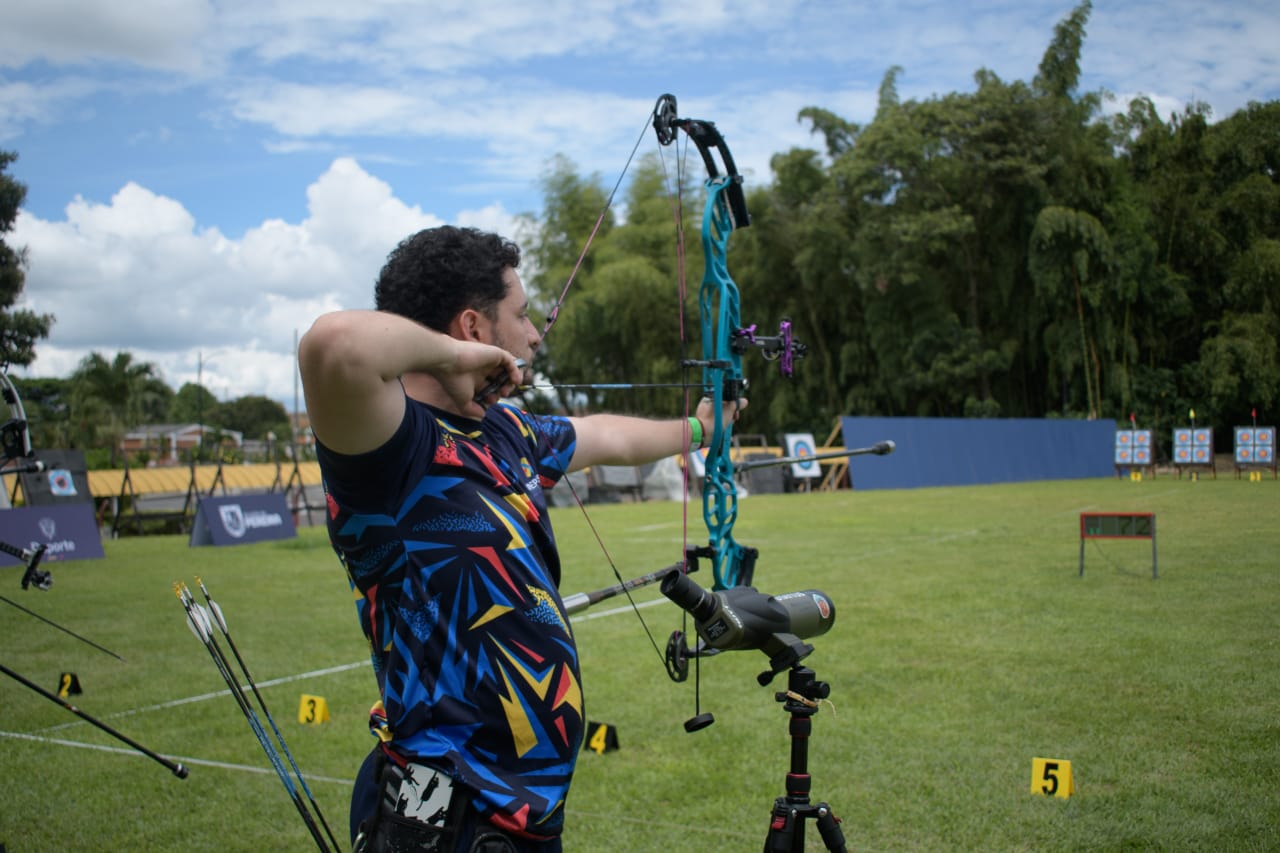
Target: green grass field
(965, 645)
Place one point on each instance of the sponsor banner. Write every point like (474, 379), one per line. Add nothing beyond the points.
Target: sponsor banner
(242, 519)
(68, 532)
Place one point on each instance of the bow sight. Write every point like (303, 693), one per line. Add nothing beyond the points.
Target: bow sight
(782, 347)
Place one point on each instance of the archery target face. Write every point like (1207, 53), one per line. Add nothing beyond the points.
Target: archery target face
(802, 444)
(1133, 447)
(61, 483)
(1184, 449)
(1255, 445)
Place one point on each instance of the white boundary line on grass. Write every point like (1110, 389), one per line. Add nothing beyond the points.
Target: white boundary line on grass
(179, 758)
(205, 696)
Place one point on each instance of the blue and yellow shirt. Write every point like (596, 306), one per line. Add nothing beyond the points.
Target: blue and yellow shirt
(446, 540)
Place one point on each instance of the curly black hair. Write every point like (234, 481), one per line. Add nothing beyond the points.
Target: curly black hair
(437, 273)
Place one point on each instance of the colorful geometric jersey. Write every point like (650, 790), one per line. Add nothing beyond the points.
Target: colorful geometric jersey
(445, 537)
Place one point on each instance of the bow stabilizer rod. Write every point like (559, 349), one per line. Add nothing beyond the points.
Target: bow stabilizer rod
(174, 767)
(580, 601)
(53, 624)
(881, 448)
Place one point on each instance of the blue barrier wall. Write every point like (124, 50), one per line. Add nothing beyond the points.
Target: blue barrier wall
(964, 452)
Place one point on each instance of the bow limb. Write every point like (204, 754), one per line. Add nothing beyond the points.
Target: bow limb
(15, 443)
(15, 437)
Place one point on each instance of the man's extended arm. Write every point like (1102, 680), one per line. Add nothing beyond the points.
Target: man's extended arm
(624, 440)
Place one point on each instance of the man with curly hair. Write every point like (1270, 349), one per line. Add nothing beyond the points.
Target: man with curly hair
(437, 508)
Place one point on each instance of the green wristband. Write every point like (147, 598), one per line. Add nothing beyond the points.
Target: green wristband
(695, 433)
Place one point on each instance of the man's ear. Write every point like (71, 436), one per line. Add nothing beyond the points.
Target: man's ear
(468, 325)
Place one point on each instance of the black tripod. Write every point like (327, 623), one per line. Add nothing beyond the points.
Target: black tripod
(787, 824)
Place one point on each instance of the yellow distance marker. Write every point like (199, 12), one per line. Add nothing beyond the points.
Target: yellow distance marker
(601, 738)
(68, 684)
(313, 709)
(1052, 777)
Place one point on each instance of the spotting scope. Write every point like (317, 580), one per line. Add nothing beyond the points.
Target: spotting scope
(743, 618)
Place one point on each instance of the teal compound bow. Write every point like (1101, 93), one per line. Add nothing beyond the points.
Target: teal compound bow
(724, 342)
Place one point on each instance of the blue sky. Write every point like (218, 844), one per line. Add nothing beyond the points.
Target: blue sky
(205, 178)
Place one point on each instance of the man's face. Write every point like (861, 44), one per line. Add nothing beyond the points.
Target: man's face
(512, 329)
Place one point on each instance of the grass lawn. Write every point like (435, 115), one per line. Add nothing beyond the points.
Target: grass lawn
(965, 645)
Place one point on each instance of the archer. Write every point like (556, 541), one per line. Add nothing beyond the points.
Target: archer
(437, 495)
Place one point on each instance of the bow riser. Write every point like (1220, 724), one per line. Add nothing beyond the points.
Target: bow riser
(720, 304)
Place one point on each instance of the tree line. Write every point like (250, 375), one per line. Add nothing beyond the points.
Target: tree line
(1011, 252)
(104, 399)
(1016, 251)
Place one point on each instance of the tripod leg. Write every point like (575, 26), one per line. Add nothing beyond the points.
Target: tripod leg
(786, 829)
(829, 829)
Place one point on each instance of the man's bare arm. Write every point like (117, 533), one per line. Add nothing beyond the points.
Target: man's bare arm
(624, 440)
(352, 363)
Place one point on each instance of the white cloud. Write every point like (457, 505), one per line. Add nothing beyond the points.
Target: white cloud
(139, 274)
(156, 34)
